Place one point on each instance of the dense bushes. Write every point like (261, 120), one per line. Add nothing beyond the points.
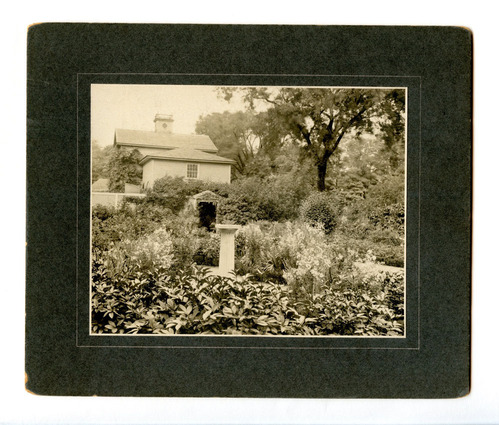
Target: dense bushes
(193, 302)
(121, 231)
(173, 192)
(388, 217)
(376, 222)
(296, 257)
(275, 198)
(320, 209)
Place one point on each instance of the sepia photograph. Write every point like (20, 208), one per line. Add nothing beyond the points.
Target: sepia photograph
(274, 212)
(248, 210)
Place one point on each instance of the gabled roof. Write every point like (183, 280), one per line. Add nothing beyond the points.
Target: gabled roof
(152, 139)
(192, 155)
(206, 196)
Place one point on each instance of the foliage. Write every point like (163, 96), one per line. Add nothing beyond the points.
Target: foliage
(233, 135)
(375, 221)
(389, 190)
(274, 198)
(250, 139)
(208, 249)
(388, 217)
(319, 118)
(320, 209)
(100, 160)
(393, 128)
(102, 212)
(290, 253)
(195, 303)
(386, 245)
(123, 167)
(129, 221)
(173, 192)
(148, 254)
(309, 258)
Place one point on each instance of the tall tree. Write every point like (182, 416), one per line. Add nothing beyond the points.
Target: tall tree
(246, 137)
(232, 134)
(320, 118)
(124, 168)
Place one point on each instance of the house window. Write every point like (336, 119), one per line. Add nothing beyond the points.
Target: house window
(192, 171)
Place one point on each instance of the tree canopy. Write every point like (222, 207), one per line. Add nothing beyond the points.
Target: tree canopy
(251, 139)
(320, 118)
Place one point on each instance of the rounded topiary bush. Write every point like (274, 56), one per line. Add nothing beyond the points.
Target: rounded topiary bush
(320, 208)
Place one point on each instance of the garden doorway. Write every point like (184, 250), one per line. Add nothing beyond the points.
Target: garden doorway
(207, 211)
(205, 204)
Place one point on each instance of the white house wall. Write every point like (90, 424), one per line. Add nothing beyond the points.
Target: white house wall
(156, 169)
(148, 175)
(219, 173)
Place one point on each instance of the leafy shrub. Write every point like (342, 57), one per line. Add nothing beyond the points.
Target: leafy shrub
(368, 310)
(208, 249)
(388, 191)
(321, 209)
(237, 209)
(111, 225)
(195, 303)
(274, 198)
(388, 217)
(102, 212)
(173, 192)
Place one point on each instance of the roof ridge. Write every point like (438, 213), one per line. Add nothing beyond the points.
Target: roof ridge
(151, 139)
(163, 134)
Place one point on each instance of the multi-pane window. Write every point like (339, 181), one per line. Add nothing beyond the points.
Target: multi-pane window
(192, 171)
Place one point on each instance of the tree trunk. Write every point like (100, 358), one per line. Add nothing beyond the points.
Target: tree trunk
(321, 175)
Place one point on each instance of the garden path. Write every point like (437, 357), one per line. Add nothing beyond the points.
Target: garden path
(378, 267)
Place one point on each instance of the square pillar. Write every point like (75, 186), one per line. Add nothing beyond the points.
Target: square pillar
(227, 247)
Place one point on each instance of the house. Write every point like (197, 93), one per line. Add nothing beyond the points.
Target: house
(191, 156)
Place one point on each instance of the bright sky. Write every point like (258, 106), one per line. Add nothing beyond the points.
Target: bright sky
(133, 107)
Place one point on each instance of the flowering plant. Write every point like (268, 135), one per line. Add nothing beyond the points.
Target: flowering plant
(149, 254)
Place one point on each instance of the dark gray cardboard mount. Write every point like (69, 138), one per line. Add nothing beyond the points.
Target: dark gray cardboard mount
(434, 63)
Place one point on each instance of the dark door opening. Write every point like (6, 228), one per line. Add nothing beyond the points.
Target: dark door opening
(207, 215)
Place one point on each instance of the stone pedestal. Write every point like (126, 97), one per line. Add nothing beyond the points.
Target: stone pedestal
(227, 247)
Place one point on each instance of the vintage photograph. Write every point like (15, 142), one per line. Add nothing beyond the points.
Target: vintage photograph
(248, 210)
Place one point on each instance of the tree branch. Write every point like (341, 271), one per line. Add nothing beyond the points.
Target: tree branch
(348, 126)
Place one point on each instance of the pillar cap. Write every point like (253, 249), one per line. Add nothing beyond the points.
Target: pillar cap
(227, 226)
